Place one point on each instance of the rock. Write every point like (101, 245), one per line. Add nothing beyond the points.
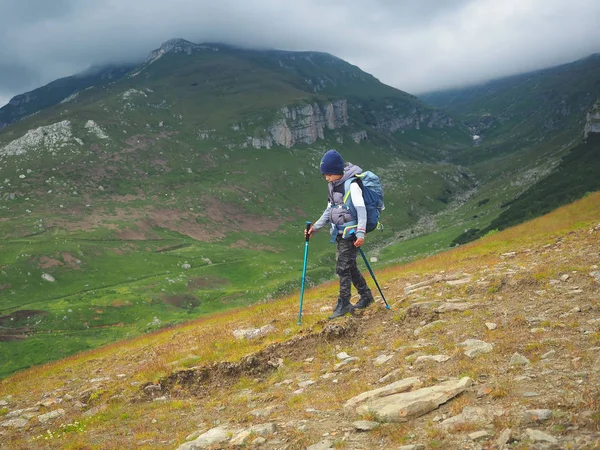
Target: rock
(365, 425)
(595, 275)
(461, 306)
(264, 412)
(478, 435)
(261, 429)
(253, 333)
(540, 436)
(491, 325)
(382, 359)
(504, 438)
(474, 347)
(346, 362)
(342, 355)
(412, 447)
(436, 358)
(51, 415)
(207, 439)
(469, 415)
(303, 124)
(549, 354)
(17, 422)
(428, 326)
(399, 386)
(321, 445)
(389, 376)
(519, 360)
(357, 137)
(48, 277)
(406, 405)
(537, 415)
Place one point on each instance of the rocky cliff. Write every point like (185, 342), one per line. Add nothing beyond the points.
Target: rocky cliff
(592, 124)
(392, 120)
(303, 124)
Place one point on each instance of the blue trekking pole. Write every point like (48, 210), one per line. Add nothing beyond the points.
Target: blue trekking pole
(387, 306)
(308, 224)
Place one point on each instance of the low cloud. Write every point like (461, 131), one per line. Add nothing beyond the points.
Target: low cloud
(414, 46)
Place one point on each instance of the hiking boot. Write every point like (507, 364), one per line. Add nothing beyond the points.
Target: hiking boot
(342, 308)
(363, 302)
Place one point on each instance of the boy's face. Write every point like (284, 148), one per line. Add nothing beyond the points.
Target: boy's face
(329, 178)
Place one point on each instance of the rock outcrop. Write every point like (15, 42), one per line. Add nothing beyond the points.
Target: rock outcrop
(392, 121)
(303, 124)
(50, 138)
(592, 123)
(177, 45)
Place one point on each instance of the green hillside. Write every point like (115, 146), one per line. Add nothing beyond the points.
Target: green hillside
(57, 91)
(182, 187)
(165, 195)
(574, 177)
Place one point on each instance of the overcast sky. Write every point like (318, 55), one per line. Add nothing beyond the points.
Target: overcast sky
(414, 45)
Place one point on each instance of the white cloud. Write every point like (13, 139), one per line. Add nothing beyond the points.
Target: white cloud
(414, 46)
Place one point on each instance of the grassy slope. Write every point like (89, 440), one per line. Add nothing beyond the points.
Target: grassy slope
(118, 421)
(117, 253)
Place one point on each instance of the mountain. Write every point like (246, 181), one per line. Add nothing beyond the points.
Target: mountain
(32, 102)
(181, 189)
(489, 345)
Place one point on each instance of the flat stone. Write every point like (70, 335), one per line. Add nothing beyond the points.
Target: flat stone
(469, 415)
(475, 347)
(382, 359)
(365, 425)
(406, 405)
(449, 307)
(540, 436)
(399, 386)
(346, 362)
(207, 439)
(504, 438)
(435, 358)
(478, 435)
(51, 415)
(491, 325)
(537, 415)
(18, 422)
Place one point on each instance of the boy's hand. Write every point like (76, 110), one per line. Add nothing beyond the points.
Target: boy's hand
(310, 232)
(358, 242)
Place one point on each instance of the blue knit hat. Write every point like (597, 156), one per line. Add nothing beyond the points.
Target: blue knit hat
(332, 163)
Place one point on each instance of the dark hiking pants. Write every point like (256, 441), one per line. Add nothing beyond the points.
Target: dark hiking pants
(347, 270)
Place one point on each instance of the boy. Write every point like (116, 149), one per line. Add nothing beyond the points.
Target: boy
(348, 225)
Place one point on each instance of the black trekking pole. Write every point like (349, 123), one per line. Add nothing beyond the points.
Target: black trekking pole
(307, 237)
(387, 306)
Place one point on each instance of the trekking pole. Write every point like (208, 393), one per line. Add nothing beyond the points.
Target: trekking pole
(387, 306)
(307, 237)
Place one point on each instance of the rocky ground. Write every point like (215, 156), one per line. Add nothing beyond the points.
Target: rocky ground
(499, 352)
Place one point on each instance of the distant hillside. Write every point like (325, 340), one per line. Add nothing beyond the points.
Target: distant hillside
(49, 95)
(575, 176)
(525, 109)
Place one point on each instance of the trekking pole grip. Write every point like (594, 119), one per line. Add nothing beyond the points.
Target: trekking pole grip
(308, 225)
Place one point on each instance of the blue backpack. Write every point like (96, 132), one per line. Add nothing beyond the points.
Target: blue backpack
(373, 195)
